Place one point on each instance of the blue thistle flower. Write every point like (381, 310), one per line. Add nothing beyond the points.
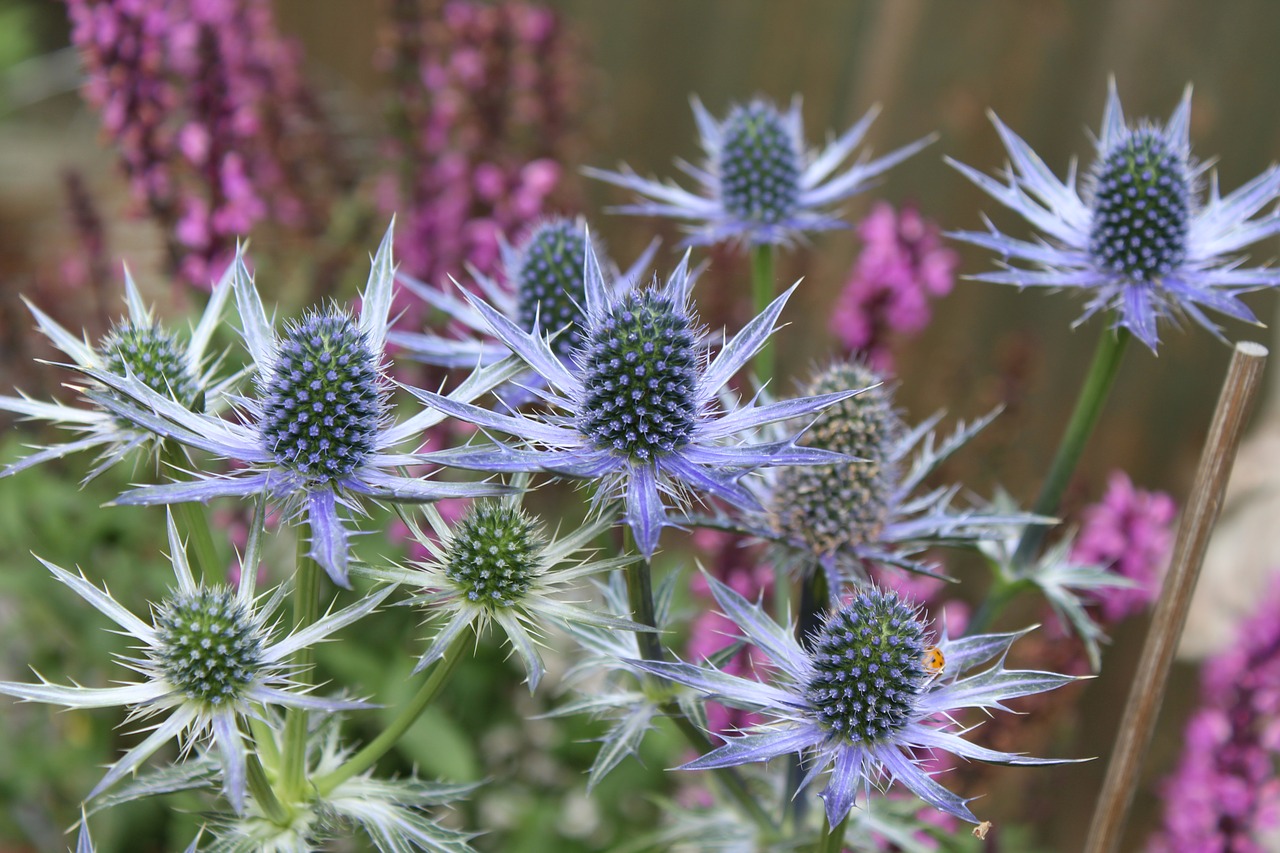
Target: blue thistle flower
(137, 345)
(1139, 237)
(867, 507)
(862, 702)
(759, 185)
(638, 399)
(209, 657)
(319, 434)
(541, 284)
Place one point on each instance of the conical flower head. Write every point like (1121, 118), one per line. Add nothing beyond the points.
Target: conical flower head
(867, 668)
(846, 504)
(323, 403)
(547, 275)
(494, 555)
(640, 375)
(759, 164)
(209, 644)
(758, 184)
(1141, 238)
(138, 350)
(1141, 207)
(153, 355)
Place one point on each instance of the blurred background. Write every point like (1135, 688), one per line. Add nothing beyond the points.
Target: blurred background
(351, 137)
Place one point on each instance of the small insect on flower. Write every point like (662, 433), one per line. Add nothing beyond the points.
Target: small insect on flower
(758, 184)
(863, 700)
(210, 657)
(934, 661)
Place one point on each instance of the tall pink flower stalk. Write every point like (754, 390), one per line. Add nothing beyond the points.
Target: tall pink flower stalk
(213, 124)
(480, 112)
(903, 264)
(1129, 531)
(1224, 797)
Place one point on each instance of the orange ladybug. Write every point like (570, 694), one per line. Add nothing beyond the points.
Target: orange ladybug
(933, 660)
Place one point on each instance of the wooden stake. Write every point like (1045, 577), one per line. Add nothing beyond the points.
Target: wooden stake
(1239, 391)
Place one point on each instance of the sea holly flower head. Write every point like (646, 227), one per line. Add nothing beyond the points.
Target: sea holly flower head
(863, 702)
(1139, 236)
(137, 345)
(210, 656)
(319, 435)
(541, 284)
(639, 402)
(758, 183)
(497, 565)
(868, 506)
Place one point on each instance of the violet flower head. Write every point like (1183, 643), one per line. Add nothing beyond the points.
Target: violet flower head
(319, 436)
(541, 282)
(903, 264)
(1139, 238)
(758, 184)
(863, 702)
(1130, 531)
(1225, 794)
(639, 400)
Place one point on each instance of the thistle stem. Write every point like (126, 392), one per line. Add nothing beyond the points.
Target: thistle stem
(192, 521)
(263, 795)
(434, 682)
(762, 291)
(1097, 387)
(640, 597)
(306, 607)
(814, 598)
(1002, 591)
(832, 840)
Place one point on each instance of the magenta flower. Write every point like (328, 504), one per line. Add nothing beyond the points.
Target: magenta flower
(903, 264)
(1225, 793)
(1130, 531)
(483, 98)
(213, 124)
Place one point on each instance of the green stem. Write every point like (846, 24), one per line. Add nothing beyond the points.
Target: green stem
(1002, 591)
(1097, 386)
(832, 840)
(814, 599)
(192, 521)
(263, 795)
(762, 292)
(640, 597)
(306, 607)
(407, 716)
